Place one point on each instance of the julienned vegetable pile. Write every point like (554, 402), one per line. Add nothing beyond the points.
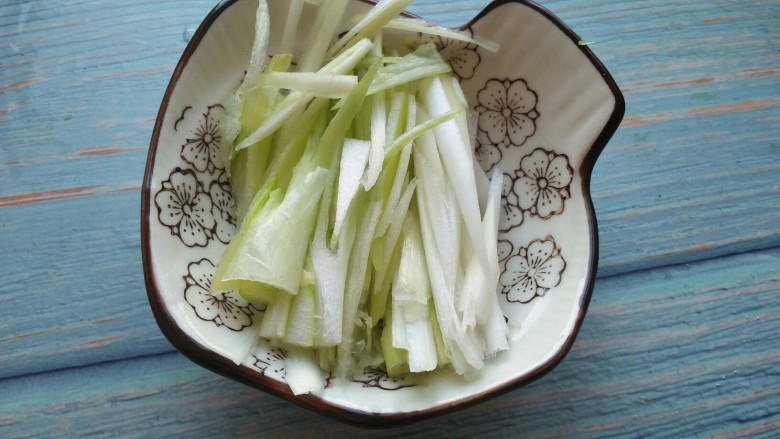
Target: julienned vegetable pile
(367, 229)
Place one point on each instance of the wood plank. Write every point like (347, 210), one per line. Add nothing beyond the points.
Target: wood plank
(687, 96)
(72, 290)
(690, 352)
(80, 89)
(691, 173)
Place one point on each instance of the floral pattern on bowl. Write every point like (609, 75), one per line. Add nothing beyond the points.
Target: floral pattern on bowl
(546, 108)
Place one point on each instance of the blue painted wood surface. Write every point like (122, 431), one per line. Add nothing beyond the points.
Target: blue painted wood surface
(682, 336)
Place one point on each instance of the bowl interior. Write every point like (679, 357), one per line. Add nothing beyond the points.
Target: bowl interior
(546, 107)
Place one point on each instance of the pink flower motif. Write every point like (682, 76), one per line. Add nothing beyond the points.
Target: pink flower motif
(224, 309)
(507, 111)
(533, 271)
(543, 183)
(185, 209)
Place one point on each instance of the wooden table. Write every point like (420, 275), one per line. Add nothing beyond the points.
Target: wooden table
(682, 338)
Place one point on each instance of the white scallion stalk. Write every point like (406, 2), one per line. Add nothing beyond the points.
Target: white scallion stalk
(422, 356)
(301, 321)
(391, 205)
(415, 25)
(354, 157)
(288, 107)
(458, 100)
(248, 166)
(387, 244)
(295, 101)
(378, 126)
(397, 217)
(321, 85)
(490, 223)
(289, 147)
(234, 106)
(494, 332)
(371, 24)
(493, 327)
(275, 318)
(303, 373)
(370, 251)
(401, 171)
(454, 87)
(356, 275)
(263, 204)
(291, 26)
(482, 186)
(439, 204)
(333, 137)
(446, 314)
(395, 359)
(420, 64)
(330, 268)
(418, 131)
(259, 49)
(474, 283)
(411, 295)
(325, 29)
(231, 126)
(458, 161)
(398, 323)
(273, 250)
(398, 105)
(472, 349)
(479, 300)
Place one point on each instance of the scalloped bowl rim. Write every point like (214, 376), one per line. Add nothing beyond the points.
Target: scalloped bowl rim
(207, 358)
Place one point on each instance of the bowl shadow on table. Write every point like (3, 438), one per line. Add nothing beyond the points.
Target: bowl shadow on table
(554, 404)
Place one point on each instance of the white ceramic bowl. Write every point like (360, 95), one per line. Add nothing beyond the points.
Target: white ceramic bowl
(547, 107)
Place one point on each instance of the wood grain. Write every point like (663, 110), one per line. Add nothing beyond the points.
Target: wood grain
(691, 173)
(691, 177)
(690, 352)
(69, 311)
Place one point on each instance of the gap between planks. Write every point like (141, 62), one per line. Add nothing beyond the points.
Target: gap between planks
(173, 351)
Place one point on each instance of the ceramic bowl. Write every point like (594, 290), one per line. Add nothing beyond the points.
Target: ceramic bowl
(546, 107)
